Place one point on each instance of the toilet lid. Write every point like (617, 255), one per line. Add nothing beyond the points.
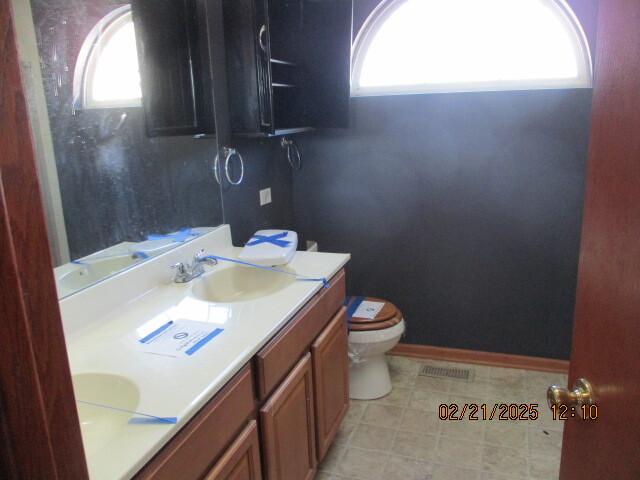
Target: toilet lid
(386, 318)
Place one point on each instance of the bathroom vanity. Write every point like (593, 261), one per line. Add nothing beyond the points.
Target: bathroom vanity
(264, 398)
(296, 387)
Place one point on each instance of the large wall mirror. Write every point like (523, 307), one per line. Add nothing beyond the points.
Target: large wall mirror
(113, 196)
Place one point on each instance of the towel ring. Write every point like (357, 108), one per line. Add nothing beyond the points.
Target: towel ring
(290, 146)
(229, 152)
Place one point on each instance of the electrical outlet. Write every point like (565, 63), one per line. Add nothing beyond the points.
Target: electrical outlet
(265, 197)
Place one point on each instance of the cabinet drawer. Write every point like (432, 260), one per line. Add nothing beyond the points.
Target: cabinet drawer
(285, 349)
(241, 461)
(190, 454)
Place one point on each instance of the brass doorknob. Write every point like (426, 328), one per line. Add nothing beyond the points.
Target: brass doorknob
(582, 394)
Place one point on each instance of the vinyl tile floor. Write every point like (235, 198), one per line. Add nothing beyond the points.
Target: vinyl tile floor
(401, 436)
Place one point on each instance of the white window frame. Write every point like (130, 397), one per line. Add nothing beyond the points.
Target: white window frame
(87, 59)
(387, 7)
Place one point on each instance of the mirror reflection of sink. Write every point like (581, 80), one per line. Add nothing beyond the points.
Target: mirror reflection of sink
(90, 271)
(101, 425)
(240, 283)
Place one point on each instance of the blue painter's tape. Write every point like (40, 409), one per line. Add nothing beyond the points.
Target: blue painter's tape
(156, 332)
(302, 278)
(355, 303)
(325, 282)
(149, 418)
(181, 236)
(152, 420)
(204, 341)
(275, 239)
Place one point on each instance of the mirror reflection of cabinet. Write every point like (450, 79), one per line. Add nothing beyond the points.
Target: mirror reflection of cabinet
(174, 59)
(288, 64)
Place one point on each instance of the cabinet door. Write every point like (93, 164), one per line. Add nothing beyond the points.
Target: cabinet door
(327, 28)
(288, 434)
(331, 380)
(171, 68)
(246, 33)
(241, 461)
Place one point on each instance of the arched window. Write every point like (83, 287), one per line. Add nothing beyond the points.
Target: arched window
(420, 46)
(106, 73)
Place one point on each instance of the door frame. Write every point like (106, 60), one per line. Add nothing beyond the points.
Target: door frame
(39, 427)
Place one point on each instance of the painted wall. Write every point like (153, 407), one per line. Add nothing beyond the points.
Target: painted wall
(265, 166)
(119, 187)
(463, 209)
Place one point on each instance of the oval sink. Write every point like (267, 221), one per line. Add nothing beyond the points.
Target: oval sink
(240, 283)
(101, 425)
(91, 271)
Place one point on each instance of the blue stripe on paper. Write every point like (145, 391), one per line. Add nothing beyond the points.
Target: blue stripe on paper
(156, 332)
(204, 341)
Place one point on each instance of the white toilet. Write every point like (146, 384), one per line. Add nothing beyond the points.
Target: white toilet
(369, 340)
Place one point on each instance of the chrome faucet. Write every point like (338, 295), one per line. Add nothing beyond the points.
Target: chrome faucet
(187, 272)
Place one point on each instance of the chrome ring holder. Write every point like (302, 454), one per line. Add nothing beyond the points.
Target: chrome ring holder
(229, 153)
(291, 146)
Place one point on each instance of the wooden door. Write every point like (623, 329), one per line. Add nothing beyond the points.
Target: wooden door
(241, 461)
(39, 427)
(330, 380)
(288, 434)
(606, 341)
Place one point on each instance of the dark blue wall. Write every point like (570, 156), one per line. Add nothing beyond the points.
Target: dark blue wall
(463, 209)
(265, 166)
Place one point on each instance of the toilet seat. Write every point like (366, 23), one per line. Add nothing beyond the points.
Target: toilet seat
(388, 317)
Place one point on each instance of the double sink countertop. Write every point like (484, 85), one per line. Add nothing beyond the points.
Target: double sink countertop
(105, 323)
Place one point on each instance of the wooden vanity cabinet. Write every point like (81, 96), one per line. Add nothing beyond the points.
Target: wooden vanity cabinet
(241, 461)
(284, 350)
(283, 428)
(288, 427)
(316, 339)
(195, 448)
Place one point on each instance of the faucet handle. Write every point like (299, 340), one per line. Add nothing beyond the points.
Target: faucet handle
(201, 257)
(180, 267)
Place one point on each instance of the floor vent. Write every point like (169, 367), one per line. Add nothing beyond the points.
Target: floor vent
(464, 374)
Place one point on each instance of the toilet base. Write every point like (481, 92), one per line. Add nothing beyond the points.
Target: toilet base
(370, 378)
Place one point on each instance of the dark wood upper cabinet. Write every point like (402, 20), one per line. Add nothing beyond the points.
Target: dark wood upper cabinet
(174, 61)
(281, 66)
(288, 64)
(327, 30)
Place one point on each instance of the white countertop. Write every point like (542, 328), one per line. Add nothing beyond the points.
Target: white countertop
(103, 326)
